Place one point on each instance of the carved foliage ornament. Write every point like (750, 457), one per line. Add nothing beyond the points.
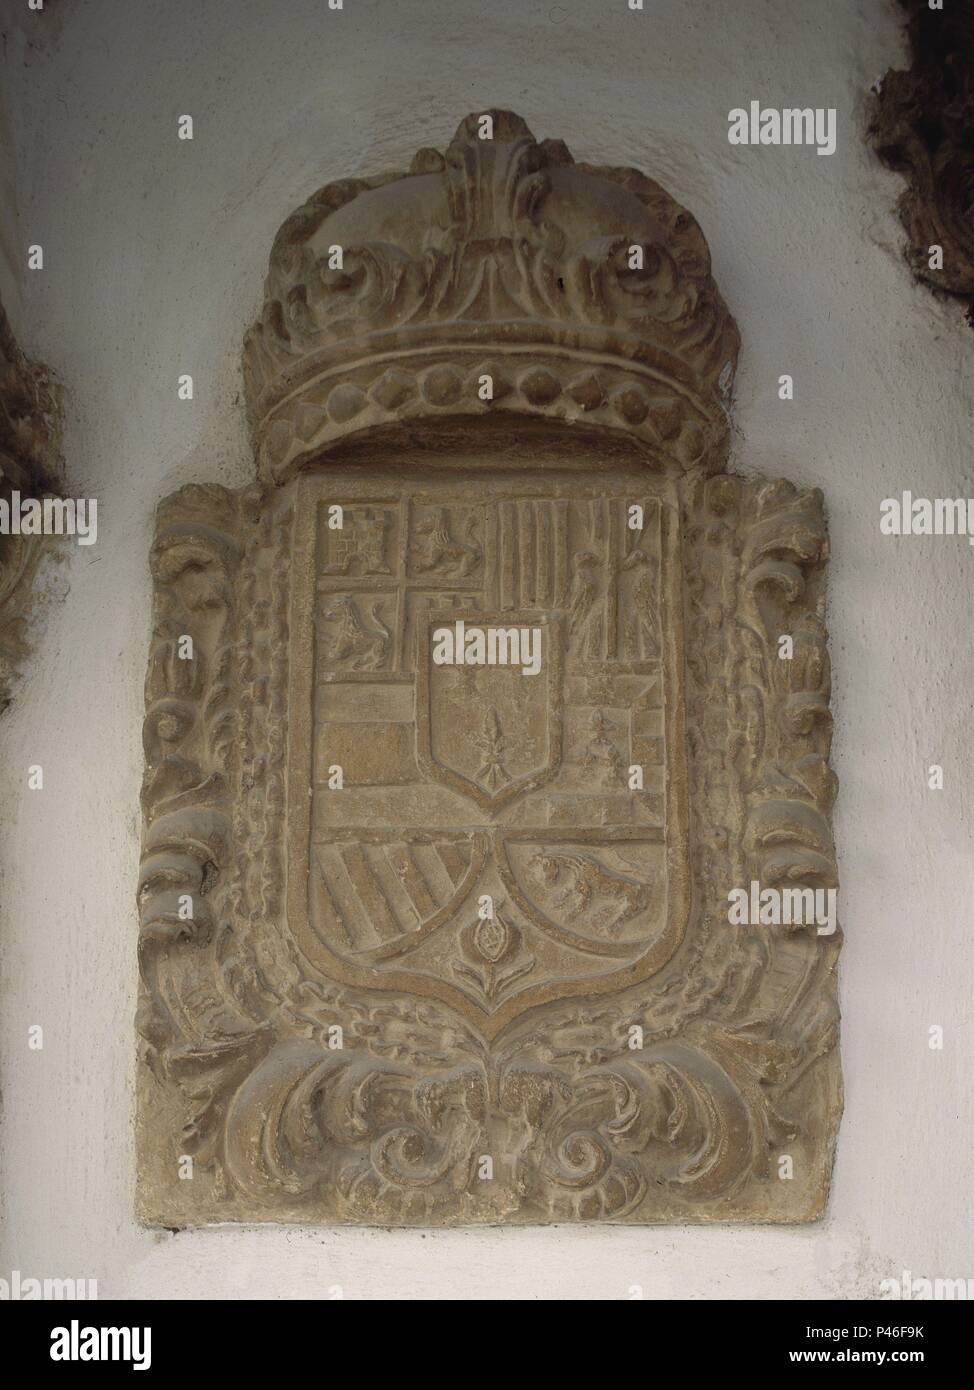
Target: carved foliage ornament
(924, 127)
(29, 464)
(484, 718)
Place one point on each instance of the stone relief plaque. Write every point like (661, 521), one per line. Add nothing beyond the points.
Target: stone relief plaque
(466, 723)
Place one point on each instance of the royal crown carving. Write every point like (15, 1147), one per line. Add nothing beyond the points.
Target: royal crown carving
(500, 258)
(489, 709)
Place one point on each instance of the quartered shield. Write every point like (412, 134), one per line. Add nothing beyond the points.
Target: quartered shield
(505, 825)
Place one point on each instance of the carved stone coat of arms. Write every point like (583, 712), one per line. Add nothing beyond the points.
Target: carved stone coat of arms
(465, 721)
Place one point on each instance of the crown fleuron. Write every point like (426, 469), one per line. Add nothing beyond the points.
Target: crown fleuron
(501, 276)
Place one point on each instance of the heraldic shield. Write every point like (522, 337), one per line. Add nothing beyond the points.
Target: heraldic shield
(489, 784)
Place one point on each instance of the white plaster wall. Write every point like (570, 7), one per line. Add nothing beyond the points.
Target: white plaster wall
(155, 255)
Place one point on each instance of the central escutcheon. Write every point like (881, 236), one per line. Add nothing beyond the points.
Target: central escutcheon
(487, 728)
